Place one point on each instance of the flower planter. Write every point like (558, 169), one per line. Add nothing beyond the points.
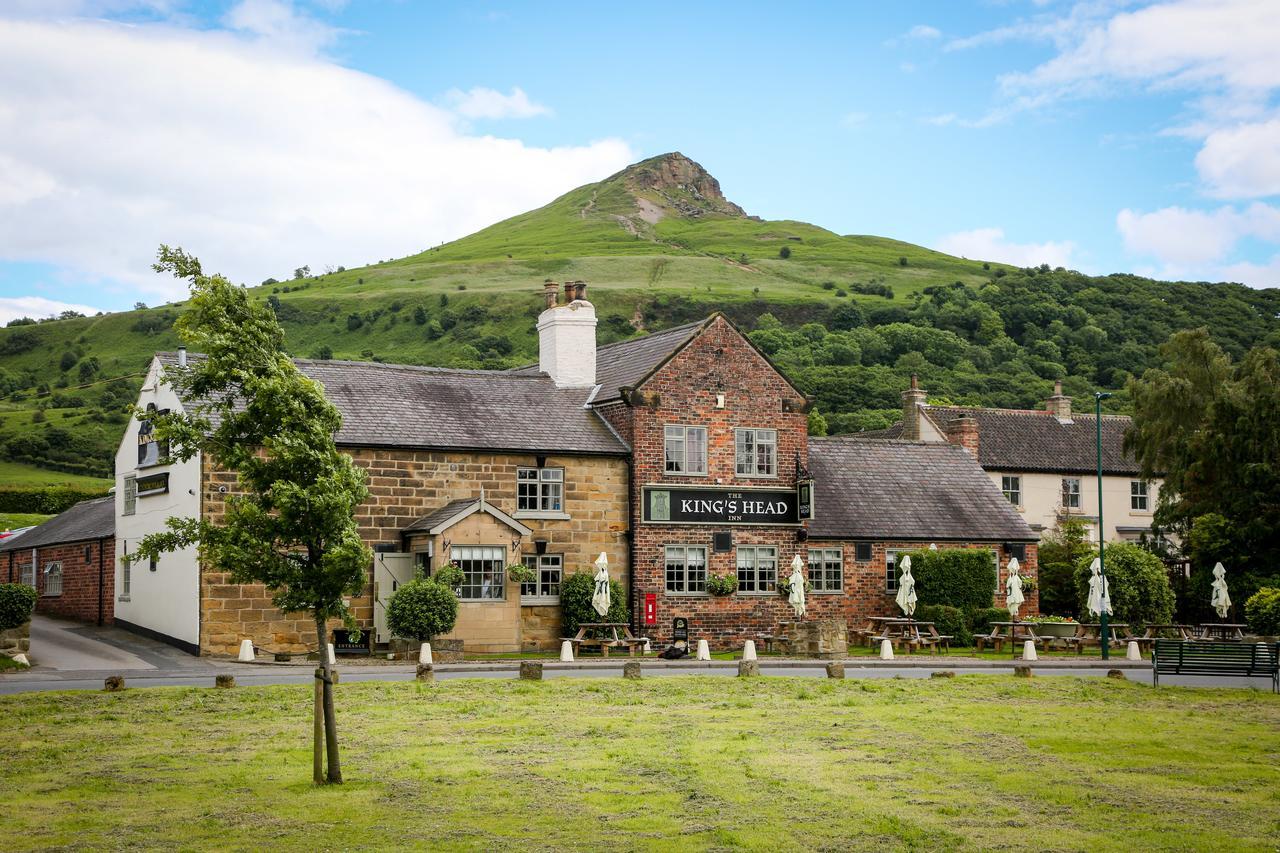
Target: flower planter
(1054, 629)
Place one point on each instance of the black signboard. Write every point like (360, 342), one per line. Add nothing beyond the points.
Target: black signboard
(345, 642)
(679, 629)
(671, 505)
(804, 499)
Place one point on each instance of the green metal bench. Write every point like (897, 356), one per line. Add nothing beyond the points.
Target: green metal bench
(1245, 660)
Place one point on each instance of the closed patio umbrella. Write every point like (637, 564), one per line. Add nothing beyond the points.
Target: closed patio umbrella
(1219, 599)
(1099, 600)
(600, 601)
(795, 584)
(906, 597)
(1013, 596)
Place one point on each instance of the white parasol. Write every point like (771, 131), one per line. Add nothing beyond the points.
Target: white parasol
(796, 585)
(1099, 600)
(1220, 600)
(906, 597)
(1013, 596)
(601, 600)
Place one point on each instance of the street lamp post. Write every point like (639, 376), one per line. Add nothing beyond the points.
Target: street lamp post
(1103, 632)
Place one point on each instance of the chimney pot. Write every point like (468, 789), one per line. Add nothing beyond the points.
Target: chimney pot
(549, 291)
(1059, 405)
(579, 290)
(568, 292)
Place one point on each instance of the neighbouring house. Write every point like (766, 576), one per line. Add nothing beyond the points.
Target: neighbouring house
(70, 560)
(1044, 461)
(680, 455)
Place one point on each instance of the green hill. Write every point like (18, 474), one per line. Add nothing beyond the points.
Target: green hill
(849, 316)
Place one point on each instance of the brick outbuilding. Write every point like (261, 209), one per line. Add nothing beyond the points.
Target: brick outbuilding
(70, 560)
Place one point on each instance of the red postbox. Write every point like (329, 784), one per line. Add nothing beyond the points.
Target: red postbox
(650, 608)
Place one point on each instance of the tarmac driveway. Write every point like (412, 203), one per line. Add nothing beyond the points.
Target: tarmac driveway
(62, 646)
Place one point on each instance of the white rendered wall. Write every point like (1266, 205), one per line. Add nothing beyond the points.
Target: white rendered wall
(1042, 499)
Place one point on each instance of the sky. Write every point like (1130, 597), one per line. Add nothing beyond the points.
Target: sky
(262, 135)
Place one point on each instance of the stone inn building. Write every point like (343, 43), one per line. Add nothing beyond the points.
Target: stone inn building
(681, 455)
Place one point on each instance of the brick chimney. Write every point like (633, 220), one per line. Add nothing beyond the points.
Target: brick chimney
(912, 399)
(567, 336)
(964, 432)
(1059, 405)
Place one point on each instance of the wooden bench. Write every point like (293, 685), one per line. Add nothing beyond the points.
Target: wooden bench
(1199, 657)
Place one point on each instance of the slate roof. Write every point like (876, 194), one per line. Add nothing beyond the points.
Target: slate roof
(624, 364)
(885, 489)
(1030, 440)
(397, 405)
(442, 514)
(92, 519)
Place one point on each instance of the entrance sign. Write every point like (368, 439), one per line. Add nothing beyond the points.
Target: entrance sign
(663, 505)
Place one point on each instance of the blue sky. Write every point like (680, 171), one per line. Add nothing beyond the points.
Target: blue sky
(264, 134)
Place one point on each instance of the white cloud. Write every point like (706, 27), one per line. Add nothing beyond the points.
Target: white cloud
(489, 103)
(280, 23)
(36, 307)
(989, 244)
(924, 31)
(1254, 275)
(1193, 242)
(114, 139)
(1242, 161)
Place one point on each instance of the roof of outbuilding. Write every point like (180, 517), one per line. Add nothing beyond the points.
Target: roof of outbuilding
(92, 519)
(398, 405)
(877, 489)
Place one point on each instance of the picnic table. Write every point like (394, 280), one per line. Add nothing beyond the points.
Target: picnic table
(1008, 632)
(903, 631)
(1090, 634)
(1183, 632)
(610, 640)
(1224, 631)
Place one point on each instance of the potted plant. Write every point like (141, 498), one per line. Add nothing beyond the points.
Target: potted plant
(721, 585)
(1053, 626)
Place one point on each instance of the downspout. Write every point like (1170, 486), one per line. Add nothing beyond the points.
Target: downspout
(631, 549)
(102, 569)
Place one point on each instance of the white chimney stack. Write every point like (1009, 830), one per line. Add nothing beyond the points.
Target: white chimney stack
(567, 337)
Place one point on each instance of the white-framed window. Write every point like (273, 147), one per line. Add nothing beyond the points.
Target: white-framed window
(686, 568)
(126, 573)
(27, 574)
(130, 496)
(1138, 498)
(757, 568)
(484, 572)
(891, 571)
(545, 587)
(1071, 492)
(540, 489)
(53, 578)
(756, 452)
(685, 449)
(826, 569)
(1012, 488)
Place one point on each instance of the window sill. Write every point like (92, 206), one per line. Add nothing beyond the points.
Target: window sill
(148, 467)
(124, 598)
(539, 602)
(684, 473)
(550, 515)
(482, 601)
(769, 593)
(50, 595)
(688, 594)
(826, 592)
(738, 476)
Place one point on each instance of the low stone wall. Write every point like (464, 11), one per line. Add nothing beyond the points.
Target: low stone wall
(818, 638)
(14, 641)
(442, 651)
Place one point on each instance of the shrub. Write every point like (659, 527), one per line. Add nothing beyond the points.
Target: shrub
(68, 361)
(948, 620)
(958, 577)
(575, 602)
(902, 261)
(1138, 582)
(422, 609)
(722, 584)
(1262, 611)
(48, 500)
(784, 252)
(980, 620)
(354, 321)
(17, 600)
(420, 315)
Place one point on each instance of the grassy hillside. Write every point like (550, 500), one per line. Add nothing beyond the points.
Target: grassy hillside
(660, 245)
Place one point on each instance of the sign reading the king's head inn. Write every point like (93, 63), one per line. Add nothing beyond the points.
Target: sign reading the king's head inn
(663, 505)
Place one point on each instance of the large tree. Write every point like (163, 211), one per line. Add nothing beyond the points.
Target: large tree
(292, 525)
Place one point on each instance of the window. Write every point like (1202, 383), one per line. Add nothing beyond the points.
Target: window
(27, 575)
(891, 571)
(483, 572)
(422, 563)
(1012, 488)
(826, 569)
(1138, 495)
(756, 451)
(130, 496)
(540, 489)
(686, 568)
(685, 449)
(862, 552)
(53, 579)
(1071, 492)
(126, 574)
(150, 450)
(549, 569)
(88, 553)
(152, 563)
(757, 569)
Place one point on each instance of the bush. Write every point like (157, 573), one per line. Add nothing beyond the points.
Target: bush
(17, 601)
(784, 252)
(422, 609)
(1139, 585)
(948, 620)
(722, 584)
(1262, 611)
(958, 577)
(48, 500)
(980, 620)
(575, 602)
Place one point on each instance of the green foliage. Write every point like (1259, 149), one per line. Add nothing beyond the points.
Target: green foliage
(67, 361)
(948, 620)
(980, 619)
(17, 603)
(1060, 551)
(48, 500)
(1262, 611)
(817, 423)
(1138, 583)
(450, 575)
(575, 602)
(722, 584)
(958, 577)
(784, 252)
(422, 609)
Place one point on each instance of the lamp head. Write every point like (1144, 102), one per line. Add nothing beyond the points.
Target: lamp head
(1101, 395)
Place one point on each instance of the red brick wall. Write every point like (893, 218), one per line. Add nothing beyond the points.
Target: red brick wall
(79, 598)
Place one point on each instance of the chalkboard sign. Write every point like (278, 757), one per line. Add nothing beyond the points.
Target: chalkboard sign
(679, 629)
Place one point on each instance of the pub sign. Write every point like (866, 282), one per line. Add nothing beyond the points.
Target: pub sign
(804, 499)
(666, 505)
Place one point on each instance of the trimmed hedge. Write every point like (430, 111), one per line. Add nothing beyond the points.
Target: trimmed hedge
(1262, 611)
(980, 620)
(48, 500)
(17, 602)
(575, 602)
(948, 620)
(422, 609)
(957, 577)
(1138, 582)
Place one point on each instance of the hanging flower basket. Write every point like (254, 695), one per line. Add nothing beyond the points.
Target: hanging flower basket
(721, 585)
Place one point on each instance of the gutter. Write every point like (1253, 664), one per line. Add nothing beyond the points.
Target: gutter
(102, 569)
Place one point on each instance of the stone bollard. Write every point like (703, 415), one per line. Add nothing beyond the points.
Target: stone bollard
(835, 669)
(631, 669)
(426, 672)
(748, 668)
(1022, 671)
(566, 652)
(1133, 652)
(226, 682)
(531, 670)
(943, 673)
(1029, 651)
(704, 650)
(113, 683)
(886, 650)
(1115, 673)
(424, 654)
(22, 659)
(749, 650)
(246, 651)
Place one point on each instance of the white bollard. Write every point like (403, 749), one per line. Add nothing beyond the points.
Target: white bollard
(333, 658)
(886, 650)
(566, 651)
(22, 659)
(648, 649)
(1029, 651)
(424, 654)
(246, 651)
(704, 651)
(1133, 652)
(749, 650)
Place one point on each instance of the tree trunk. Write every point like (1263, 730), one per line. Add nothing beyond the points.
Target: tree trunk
(317, 735)
(334, 776)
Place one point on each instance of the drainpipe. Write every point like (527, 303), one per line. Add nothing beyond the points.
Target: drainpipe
(102, 569)
(631, 549)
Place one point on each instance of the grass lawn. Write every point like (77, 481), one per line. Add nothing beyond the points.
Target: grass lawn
(7, 663)
(976, 762)
(13, 520)
(20, 474)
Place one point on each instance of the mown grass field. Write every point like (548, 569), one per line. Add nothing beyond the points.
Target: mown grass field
(18, 474)
(691, 763)
(11, 520)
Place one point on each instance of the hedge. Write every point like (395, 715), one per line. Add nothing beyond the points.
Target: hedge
(948, 620)
(575, 602)
(17, 601)
(1262, 611)
(48, 500)
(1138, 583)
(957, 577)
